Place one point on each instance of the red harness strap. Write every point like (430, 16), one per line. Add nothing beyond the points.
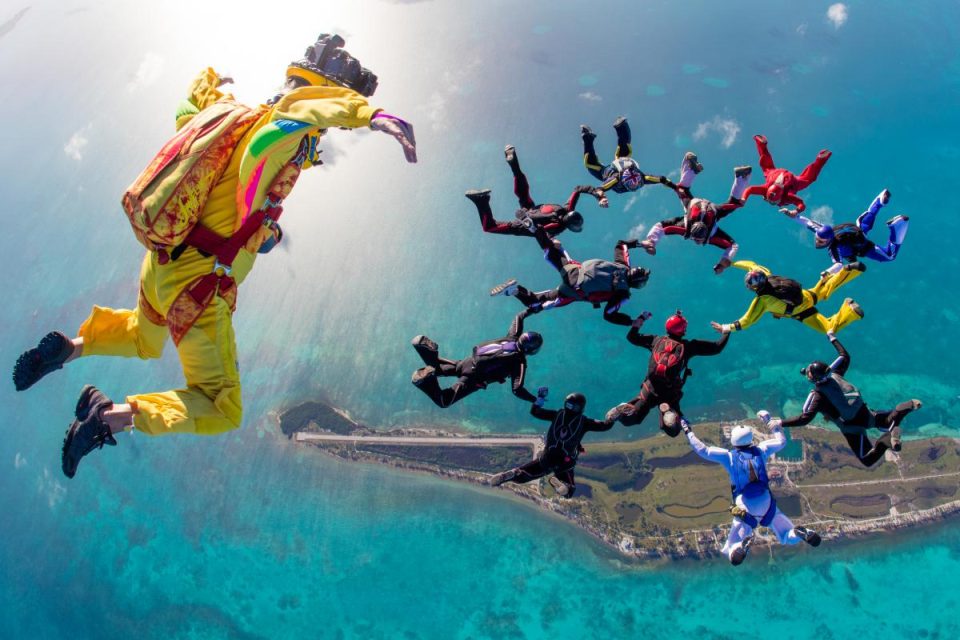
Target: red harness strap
(197, 296)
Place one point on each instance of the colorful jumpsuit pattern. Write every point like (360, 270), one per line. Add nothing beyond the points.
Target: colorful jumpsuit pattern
(806, 312)
(789, 184)
(210, 403)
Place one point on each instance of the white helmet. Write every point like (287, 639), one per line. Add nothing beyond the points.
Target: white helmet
(741, 435)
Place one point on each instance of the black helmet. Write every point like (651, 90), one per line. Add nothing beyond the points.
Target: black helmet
(816, 372)
(325, 58)
(575, 402)
(699, 232)
(574, 221)
(637, 277)
(530, 342)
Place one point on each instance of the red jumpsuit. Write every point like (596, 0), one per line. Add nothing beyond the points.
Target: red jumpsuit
(782, 186)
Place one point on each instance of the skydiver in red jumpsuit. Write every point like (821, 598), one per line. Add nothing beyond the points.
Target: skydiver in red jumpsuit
(782, 186)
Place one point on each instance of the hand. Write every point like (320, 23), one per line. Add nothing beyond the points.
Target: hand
(604, 202)
(400, 129)
(640, 319)
(222, 80)
(719, 327)
(542, 392)
(721, 266)
(787, 211)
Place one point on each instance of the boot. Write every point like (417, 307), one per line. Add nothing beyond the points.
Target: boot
(854, 306)
(898, 229)
(508, 288)
(504, 476)
(478, 196)
(742, 172)
(812, 538)
(690, 160)
(587, 134)
(740, 553)
(48, 356)
(88, 432)
(427, 349)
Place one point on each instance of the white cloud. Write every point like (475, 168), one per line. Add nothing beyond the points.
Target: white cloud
(590, 96)
(77, 143)
(637, 232)
(632, 200)
(823, 215)
(147, 73)
(837, 14)
(19, 462)
(454, 83)
(50, 488)
(728, 129)
(802, 29)
(436, 110)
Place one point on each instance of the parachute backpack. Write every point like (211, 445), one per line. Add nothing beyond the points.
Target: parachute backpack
(666, 361)
(165, 201)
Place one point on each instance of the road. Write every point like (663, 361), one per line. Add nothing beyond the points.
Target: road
(533, 442)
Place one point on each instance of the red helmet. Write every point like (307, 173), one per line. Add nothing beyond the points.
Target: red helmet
(677, 324)
(774, 194)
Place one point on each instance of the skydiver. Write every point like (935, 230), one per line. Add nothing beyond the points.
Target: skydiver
(554, 218)
(786, 298)
(700, 220)
(490, 362)
(848, 242)
(666, 372)
(623, 174)
(189, 291)
(595, 281)
(559, 456)
(753, 503)
(781, 187)
(841, 403)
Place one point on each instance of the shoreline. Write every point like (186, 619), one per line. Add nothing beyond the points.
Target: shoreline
(645, 541)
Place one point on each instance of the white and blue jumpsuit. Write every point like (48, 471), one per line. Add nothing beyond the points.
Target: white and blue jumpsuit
(748, 484)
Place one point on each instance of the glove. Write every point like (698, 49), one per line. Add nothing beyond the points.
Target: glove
(542, 392)
(640, 319)
(738, 512)
(630, 244)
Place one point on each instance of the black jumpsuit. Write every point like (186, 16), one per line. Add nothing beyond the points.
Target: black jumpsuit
(854, 429)
(562, 448)
(491, 361)
(657, 389)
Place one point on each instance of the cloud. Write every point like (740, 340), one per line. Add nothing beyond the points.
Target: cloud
(726, 127)
(802, 29)
(590, 96)
(837, 14)
(50, 488)
(454, 83)
(823, 215)
(147, 73)
(19, 462)
(637, 232)
(77, 143)
(632, 200)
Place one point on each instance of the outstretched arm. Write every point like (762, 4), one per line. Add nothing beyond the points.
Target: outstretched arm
(589, 424)
(204, 91)
(842, 363)
(542, 414)
(575, 196)
(713, 454)
(776, 443)
(516, 327)
(621, 252)
(810, 409)
(612, 313)
(707, 348)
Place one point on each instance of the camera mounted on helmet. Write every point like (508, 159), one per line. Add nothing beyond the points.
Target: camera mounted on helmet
(637, 277)
(575, 402)
(326, 60)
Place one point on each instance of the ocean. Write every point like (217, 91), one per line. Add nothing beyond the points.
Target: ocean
(245, 535)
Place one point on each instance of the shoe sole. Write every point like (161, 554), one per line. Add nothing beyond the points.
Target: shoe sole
(500, 288)
(559, 487)
(67, 441)
(422, 374)
(424, 341)
(50, 353)
(854, 306)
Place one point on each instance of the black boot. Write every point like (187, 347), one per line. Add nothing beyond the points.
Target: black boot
(48, 356)
(622, 127)
(478, 196)
(428, 351)
(88, 432)
(812, 538)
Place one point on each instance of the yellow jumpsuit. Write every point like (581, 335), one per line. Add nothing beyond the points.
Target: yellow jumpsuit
(211, 402)
(820, 292)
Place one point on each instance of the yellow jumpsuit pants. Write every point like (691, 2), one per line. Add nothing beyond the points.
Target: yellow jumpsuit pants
(825, 288)
(210, 403)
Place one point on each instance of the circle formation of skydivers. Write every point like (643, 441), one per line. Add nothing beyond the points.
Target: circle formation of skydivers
(609, 284)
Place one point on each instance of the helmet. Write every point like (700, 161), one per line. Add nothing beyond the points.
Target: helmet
(676, 324)
(741, 436)
(574, 221)
(817, 371)
(631, 178)
(774, 193)
(755, 279)
(824, 236)
(637, 277)
(530, 342)
(324, 62)
(699, 232)
(575, 402)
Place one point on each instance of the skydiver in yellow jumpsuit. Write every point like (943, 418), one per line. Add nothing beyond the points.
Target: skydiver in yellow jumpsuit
(785, 298)
(210, 402)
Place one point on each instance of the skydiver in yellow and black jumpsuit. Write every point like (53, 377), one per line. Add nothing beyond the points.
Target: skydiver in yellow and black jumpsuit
(623, 174)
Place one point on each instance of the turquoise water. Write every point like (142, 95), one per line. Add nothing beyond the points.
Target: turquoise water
(245, 536)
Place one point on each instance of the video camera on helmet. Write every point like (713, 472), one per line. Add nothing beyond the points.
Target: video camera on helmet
(327, 58)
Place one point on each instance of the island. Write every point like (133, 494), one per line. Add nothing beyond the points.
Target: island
(653, 498)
